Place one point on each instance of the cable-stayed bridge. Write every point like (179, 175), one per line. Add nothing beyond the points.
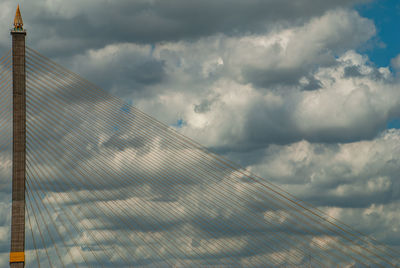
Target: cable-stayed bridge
(108, 185)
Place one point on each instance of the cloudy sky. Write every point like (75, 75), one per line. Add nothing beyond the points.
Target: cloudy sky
(303, 93)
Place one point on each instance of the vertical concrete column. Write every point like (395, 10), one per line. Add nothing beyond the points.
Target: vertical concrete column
(17, 257)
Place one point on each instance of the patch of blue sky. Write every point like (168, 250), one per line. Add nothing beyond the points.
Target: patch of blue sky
(127, 106)
(394, 123)
(386, 16)
(179, 123)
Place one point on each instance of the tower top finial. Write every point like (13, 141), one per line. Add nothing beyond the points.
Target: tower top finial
(18, 23)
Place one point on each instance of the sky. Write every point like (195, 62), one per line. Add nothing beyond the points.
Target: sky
(384, 14)
(303, 93)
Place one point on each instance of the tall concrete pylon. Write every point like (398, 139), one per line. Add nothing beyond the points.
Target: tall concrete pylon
(17, 252)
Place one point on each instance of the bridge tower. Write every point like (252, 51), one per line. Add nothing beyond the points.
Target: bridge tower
(17, 252)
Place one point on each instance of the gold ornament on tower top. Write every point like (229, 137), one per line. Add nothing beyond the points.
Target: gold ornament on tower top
(18, 23)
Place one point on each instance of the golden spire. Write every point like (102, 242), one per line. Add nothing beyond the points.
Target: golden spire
(18, 23)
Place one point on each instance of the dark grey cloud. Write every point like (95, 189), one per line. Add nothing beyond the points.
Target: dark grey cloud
(312, 84)
(356, 71)
(149, 72)
(271, 78)
(204, 106)
(97, 23)
(352, 71)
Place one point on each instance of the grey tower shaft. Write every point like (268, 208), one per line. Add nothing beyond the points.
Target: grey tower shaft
(19, 150)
